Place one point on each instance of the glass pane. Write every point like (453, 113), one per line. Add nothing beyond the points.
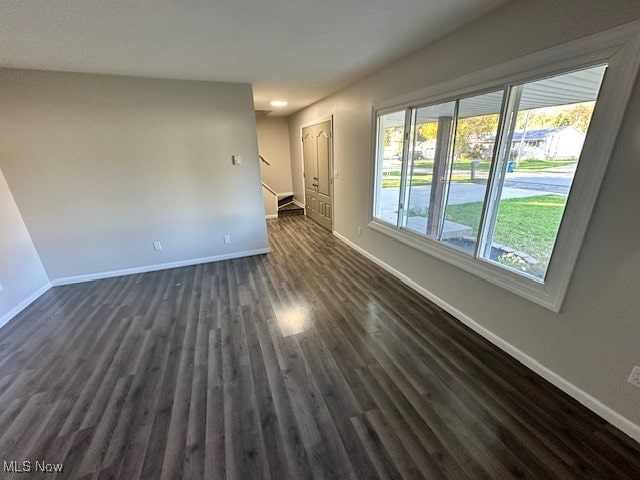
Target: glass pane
(430, 139)
(546, 142)
(475, 139)
(390, 142)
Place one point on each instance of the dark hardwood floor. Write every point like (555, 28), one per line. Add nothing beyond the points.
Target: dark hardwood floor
(309, 362)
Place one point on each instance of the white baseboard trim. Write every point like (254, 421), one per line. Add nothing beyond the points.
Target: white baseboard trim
(152, 268)
(593, 404)
(301, 205)
(275, 215)
(24, 304)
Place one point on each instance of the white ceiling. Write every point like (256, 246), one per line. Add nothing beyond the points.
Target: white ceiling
(297, 50)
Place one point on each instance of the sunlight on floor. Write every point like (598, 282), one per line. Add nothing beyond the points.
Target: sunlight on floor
(294, 320)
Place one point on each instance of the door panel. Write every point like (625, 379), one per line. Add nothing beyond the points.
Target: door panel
(324, 148)
(309, 155)
(318, 182)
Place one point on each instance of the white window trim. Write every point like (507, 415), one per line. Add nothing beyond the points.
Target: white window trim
(620, 49)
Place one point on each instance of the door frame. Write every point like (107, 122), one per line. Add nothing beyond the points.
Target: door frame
(325, 118)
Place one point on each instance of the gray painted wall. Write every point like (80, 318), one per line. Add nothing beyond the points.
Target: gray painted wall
(594, 342)
(102, 166)
(273, 142)
(21, 271)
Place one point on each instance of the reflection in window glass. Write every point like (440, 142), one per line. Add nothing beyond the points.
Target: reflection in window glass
(430, 136)
(545, 143)
(476, 129)
(390, 141)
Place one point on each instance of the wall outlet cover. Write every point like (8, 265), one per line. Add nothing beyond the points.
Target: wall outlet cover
(226, 239)
(157, 246)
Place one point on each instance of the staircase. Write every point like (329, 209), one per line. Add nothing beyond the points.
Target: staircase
(287, 207)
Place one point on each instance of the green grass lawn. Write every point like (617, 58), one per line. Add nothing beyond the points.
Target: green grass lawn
(462, 170)
(417, 180)
(390, 181)
(458, 164)
(539, 165)
(526, 224)
(530, 165)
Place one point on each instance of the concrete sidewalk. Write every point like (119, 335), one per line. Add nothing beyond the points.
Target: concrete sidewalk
(459, 193)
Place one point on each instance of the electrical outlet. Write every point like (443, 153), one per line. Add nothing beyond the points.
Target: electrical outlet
(359, 231)
(236, 160)
(1, 287)
(226, 239)
(634, 378)
(157, 246)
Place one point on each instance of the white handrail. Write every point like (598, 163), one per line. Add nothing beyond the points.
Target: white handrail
(262, 158)
(269, 188)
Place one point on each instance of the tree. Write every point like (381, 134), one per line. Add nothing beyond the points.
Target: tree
(393, 138)
(427, 131)
(471, 131)
(577, 115)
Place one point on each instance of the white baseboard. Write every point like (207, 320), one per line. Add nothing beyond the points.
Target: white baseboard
(24, 304)
(301, 205)
(152, 268)
(275, 215)
(593, 404)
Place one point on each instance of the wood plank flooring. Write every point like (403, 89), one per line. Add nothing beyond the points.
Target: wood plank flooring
(309, 362)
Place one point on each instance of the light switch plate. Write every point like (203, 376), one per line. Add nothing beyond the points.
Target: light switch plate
(236, 159)
(634, 378)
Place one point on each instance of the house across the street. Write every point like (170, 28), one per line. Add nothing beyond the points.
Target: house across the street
(548, 143)
(545, 143)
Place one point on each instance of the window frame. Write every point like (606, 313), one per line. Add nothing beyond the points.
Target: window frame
(619, 48)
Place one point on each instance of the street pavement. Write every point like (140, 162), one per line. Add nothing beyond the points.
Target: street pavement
(517, 185)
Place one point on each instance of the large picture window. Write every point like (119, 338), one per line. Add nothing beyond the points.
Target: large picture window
(487, 174)
(497, 171)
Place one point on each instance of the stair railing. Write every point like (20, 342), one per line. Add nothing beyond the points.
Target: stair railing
(270, 198)
(263, 159)
(269, 188)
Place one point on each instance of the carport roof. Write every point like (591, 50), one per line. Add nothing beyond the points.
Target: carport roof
(574, 87)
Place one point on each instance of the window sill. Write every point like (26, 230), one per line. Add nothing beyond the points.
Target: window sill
(513, 282)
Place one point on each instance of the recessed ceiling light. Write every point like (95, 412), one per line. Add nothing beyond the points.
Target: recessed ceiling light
(278, 103)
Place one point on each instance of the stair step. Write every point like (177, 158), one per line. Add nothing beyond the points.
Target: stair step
(287, 213)
(290, 209)
(285, 200)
